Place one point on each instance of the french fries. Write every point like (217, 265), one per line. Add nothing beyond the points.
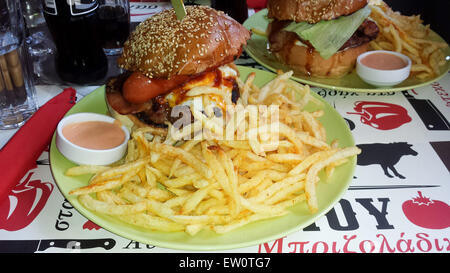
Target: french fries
(221, 184)
(407, 34)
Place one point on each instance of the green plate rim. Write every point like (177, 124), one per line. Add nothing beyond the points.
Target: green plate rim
(108, 223)
(252, 52)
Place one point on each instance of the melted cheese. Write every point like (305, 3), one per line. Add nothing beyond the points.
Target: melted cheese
(212, 87)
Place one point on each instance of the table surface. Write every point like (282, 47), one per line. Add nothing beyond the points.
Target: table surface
(406, 156)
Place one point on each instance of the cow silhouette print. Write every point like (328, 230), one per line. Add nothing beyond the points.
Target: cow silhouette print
(387, 155)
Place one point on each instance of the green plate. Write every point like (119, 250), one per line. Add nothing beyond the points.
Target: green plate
(257, 49)
(252, 234)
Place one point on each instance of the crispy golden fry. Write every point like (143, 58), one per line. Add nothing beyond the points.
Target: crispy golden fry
(85, 169)
(103, 185)
(184, 156)
(107, 208)
(275, 187)
(195, 198)
(152, 222)
(286, 157)
(122, 169)
(312, 175)
(246, 89)
(313, 126)
(110, 197)
(188, 145)
(232, 181)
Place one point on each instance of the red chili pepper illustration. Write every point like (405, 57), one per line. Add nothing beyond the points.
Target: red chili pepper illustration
(381, 115)
(25, 202)
(91, 225)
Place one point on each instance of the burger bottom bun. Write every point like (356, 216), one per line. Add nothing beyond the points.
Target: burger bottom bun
(308, 61)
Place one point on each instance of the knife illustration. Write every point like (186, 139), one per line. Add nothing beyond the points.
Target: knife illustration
(428, 113)
(31, 246)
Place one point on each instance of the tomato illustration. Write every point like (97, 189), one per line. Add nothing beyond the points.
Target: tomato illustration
(427, 213)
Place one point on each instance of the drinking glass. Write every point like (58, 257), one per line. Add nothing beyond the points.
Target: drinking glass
(114, 16)
(17, 92)
(237, 9)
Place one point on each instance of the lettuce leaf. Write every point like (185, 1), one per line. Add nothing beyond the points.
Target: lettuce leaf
(328, 36)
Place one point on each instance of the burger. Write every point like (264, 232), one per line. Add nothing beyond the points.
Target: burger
(164, 59)
(320, 38)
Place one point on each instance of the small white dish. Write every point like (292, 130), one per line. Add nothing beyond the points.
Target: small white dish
(85, 156)
(383, 77)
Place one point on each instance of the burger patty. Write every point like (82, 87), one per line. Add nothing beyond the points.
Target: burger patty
(156, 111)
(278, 38)
(157, 114)
(366, 32)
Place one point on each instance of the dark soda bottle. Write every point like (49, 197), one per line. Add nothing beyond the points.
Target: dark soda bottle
(74, 25)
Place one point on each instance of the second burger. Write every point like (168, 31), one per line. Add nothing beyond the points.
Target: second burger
(320, 38)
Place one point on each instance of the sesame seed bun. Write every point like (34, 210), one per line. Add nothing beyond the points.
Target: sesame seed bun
(163, 46)
(312, 11)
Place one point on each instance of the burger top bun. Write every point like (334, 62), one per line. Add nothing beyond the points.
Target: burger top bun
(312, 11)
(163, 46)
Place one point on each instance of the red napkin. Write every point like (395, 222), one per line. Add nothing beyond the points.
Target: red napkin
(19, 155)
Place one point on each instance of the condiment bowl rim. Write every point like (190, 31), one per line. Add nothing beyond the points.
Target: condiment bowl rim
(95, 117)
(403, 56)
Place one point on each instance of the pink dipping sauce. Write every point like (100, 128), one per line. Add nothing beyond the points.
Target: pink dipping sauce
(96, 135)
(384, 61)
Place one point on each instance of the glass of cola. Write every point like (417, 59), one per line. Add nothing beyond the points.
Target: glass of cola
(114, 17)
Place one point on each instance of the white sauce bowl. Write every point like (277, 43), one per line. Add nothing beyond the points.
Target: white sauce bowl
(85, 156)
(379, 77)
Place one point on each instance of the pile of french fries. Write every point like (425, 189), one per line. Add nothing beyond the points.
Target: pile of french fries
(408, 35)
(218, 184)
